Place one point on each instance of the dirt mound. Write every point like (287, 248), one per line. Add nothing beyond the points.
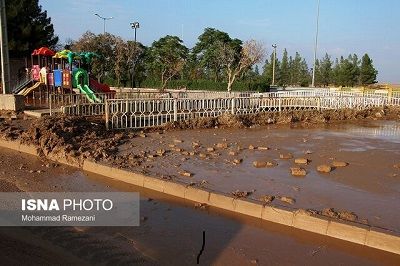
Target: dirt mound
(72, 137)
(286, 117)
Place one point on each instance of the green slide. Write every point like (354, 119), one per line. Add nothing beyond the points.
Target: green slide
(81, 81)
(89, 93)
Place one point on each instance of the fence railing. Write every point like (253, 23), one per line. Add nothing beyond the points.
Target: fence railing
(141, 113)
(155, 112)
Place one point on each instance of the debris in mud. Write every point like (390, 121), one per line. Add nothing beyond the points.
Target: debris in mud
(201, 205)
(263, 148)
(237, 161)
(263, 164)
(195, 145)
(202, 155)
(308, 152)
(171, 145)
(254, 261)
(397, 165)
(286, 156)
(186, 173)
(251, 147)
(288, 200)
(339, 164)
(242, 194)
(161, 152)
(210, 149)
(142, 135)
(222, 145)
(301, 161)
(298, 171)
(232, 153)
(324, 168)
(344, 215)
(330, 212)
(267, 198)
(178, 140)
(348, 216)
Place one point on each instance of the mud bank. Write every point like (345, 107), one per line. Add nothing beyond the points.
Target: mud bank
(288, 117)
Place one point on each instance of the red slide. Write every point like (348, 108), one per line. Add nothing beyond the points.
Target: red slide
(98, 87)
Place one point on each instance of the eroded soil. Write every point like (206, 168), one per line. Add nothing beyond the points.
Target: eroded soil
(169, 234)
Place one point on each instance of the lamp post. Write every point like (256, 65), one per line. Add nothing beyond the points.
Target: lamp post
(134, 25)
(273, 65)
(104, 21)
(5, 63)
(315, 47)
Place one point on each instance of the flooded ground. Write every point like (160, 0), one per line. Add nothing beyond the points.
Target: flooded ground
(170, 232)
(369, 186)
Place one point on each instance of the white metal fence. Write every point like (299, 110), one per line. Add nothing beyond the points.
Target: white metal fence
(141, 113)
(147, 109)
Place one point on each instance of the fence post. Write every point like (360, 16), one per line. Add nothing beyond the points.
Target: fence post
(279, 104)
(50, 105)
(175, 109)
(106, 109)
(233, 109)
(319, 104)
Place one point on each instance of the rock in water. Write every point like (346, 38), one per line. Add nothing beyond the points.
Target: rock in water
(324, 168)
(298, 171)
(339, 164)
(301, 161)
(286, 156)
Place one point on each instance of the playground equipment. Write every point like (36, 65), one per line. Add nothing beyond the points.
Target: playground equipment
(61, 72)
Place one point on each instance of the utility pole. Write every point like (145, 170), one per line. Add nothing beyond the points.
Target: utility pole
(315, 47)
(134, 25)
(104, 21)
(5, 61)
(273, 65)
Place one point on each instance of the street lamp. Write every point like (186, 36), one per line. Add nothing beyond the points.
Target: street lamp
(134, 25)
(104, 21)
(315, 47)
(5, 62)
(273, 65)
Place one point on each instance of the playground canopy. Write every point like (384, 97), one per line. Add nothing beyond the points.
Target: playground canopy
(43, 51)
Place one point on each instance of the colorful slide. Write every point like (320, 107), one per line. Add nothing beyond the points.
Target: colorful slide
(89, 93)
(28, 90)
(80, 80)
(98, 87)
(22, 85)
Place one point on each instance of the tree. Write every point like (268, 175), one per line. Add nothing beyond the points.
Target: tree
(325, 71)
(284, 79)
(367, 71)
(268, 69)
(235, 61)
(206, 51)
(28, 27)
(103, 45)
(167, 57)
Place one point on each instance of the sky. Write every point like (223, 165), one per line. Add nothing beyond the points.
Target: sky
(345, 26)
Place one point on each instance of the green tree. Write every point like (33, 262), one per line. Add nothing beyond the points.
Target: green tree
(325, 71)
(167, 58)
(284, 70)
(268, 69)
(368, 72)
(206, 51)
(103, 45)
(28, 27)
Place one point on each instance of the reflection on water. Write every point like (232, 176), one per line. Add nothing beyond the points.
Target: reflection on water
(384, 130)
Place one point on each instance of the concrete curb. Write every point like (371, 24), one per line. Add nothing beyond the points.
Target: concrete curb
(353, 232)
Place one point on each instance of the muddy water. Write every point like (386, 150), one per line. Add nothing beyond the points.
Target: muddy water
(170, 232)
(369, 186)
